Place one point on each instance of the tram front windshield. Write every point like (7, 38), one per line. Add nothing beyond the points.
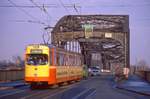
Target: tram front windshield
(37, 59)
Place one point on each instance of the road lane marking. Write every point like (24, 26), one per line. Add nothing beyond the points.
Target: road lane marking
(89, 96)
(55, 94)
(70, 87)
(12, 93)
(5, 88)
(59, 92)
(33, 94)
(82, 93)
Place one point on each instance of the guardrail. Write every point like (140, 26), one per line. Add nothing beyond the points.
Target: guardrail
(11, 75)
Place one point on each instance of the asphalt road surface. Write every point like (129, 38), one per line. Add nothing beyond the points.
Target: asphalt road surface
(99, 87)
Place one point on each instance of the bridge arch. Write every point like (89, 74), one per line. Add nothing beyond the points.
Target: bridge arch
(104, 34)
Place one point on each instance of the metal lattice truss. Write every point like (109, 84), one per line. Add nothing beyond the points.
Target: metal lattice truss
(106, 34)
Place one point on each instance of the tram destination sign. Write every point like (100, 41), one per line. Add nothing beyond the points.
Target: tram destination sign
(36, 51)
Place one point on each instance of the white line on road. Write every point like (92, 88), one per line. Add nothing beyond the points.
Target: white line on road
(89, 96)
(33, 94)
(82, 93)
(54, 94)
(70, 87)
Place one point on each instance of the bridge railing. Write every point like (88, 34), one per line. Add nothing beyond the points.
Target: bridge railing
(11, 75)
(142, 71)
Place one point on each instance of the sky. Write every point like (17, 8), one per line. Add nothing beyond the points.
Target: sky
(16, 32)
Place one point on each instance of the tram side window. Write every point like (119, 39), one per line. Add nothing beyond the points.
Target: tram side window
(74, 60)
(70, 60)
(57, 59)
(66, 60)
(51, 55)
(78, 60)
(61, 61)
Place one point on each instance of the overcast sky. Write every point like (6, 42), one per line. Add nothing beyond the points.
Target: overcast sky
(14, 36)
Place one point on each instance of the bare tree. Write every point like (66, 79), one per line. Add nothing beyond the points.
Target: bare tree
(142, 63)
(17, 60)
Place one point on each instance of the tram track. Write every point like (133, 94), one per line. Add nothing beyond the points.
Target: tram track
(26, 93)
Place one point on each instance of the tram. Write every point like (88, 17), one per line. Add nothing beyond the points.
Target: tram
(49, 65)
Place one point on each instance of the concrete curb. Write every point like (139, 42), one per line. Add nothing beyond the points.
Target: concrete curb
(13, 86)
(5, 88)
(20, 85)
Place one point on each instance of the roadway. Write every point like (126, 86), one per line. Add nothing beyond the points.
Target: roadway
(100, 87)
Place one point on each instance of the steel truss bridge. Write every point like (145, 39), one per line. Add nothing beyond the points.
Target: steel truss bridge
(107, 35)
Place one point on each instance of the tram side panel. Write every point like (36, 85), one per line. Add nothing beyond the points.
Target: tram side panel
(51, 72)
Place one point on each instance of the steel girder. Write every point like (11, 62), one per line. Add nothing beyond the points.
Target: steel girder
(114, 48)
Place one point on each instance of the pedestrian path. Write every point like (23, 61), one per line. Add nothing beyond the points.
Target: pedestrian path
(135, 84)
